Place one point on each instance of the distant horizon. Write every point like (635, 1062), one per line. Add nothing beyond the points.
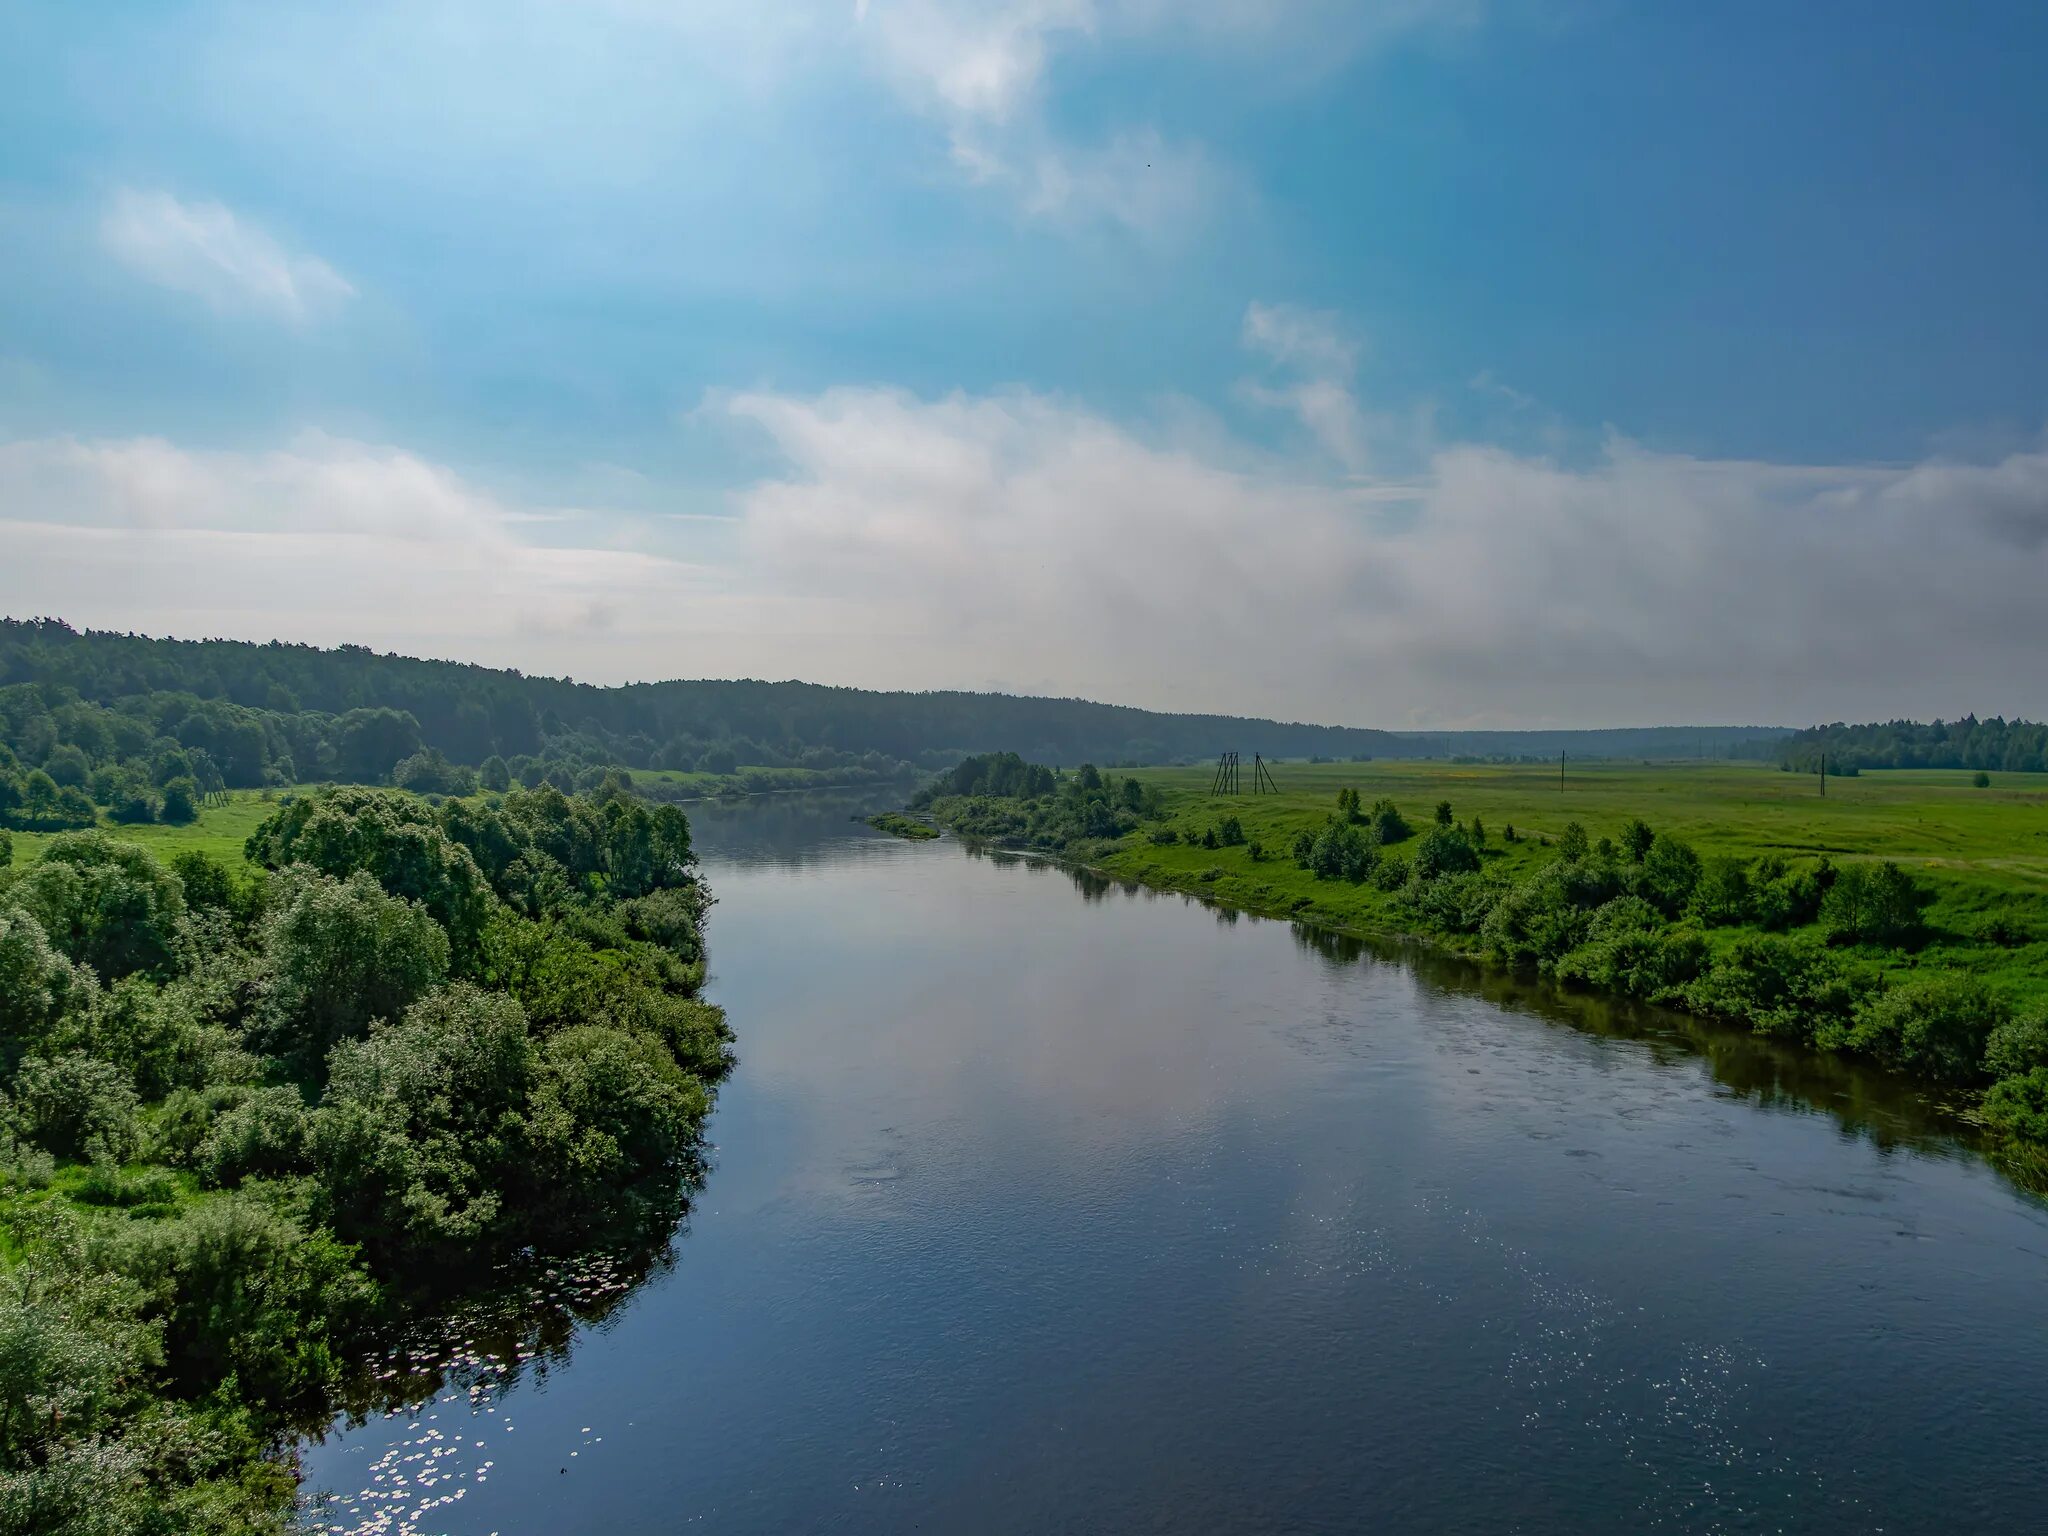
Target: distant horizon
(1405, 732)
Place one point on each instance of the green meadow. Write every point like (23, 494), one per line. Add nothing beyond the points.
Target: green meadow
(1983, 853)
(220, 831)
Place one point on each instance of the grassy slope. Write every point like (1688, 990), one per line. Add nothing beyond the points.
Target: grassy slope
(220, 831)
(1983, 851)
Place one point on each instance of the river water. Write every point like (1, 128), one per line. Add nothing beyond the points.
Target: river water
(1041, 1205)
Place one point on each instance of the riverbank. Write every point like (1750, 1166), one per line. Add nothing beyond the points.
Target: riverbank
(1832, 924)
(257, 1122)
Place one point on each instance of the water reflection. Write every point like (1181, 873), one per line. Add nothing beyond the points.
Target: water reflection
(1036, 1213)
(1866, 1102)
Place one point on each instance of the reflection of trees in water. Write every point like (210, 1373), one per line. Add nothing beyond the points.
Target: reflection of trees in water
(465, 1359)
(1863, 1100)
(795, 830)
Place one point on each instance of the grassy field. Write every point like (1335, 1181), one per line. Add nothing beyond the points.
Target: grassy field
(1983, 852)
(220, 830)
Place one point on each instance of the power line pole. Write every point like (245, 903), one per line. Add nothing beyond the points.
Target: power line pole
(1560, 770)
(1823, 775)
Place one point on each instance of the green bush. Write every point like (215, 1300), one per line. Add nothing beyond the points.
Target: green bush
(2017, 1046)
(1935, 1026)
(1778, 986)
(341, 953)
(107, 904)
(1444, 850)
(261, 1132)
(1669, 874)
(1723, 899)
(2019, 1105)
(74, 1107)
(1386, 822)
(37, 984)
(1872, 904)
(245, 1287)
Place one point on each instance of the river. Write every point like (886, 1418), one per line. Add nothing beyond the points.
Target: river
(1042, 1205)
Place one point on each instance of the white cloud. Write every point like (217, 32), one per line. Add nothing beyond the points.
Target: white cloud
(325, 540)
(1645, 587)
(1319, 352)
(911, 542)
(207, 250)
(1312, 340)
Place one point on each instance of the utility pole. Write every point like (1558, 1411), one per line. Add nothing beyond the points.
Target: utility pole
(1823, 775)
(1560, 770)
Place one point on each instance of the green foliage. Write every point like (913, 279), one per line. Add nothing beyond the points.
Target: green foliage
(1443, 813)
(164, 1322)
(1934, 1026)
(1387, 824)
(341, 953)
(1573, 843)
(106, 904)
(1872, 904)
(1444, 849)
(180, 801)
(2016, 1046)
(1778, 986)
(37, 983)
(2019, 1105)
(1722, 897)
(1980, 779)
(1636, 838)
(1670, 873)
(395, 839)
(73, 1106)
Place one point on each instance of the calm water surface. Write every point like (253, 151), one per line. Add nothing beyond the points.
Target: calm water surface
(1044, 1206)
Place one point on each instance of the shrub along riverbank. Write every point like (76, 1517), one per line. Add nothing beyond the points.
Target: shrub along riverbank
(1837, 953)
(250, 1119)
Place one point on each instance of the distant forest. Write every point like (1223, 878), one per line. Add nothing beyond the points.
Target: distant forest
(118, 720)
(2008, 746)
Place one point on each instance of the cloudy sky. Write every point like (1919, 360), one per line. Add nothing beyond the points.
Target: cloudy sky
(1388, 362)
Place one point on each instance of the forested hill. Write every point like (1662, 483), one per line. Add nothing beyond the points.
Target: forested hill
(2008, 746)
(277, 713)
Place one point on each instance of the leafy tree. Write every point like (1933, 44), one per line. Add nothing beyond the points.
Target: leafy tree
(181, 801)
(37, 983)
(1388, 826)
(74, 1106)
(425, 1124)
(2016, 1046)
(341, 953)
(1981, 779)
(1669, 875)
(67, 766)
(1444, 850)
(1872, 904)
(1443, 813)
(1636, 838)
(1935, 1025)
(107, 904)
(394, 838)
(1573, 843)
(1722, 896)
(493, 775)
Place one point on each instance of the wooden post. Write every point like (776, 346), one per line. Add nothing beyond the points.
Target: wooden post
(1823, 775)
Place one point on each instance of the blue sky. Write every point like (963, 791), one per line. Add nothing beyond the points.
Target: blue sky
(1413, 363)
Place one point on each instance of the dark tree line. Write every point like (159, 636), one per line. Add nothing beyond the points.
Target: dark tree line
(244, 696)
(1994, 745)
